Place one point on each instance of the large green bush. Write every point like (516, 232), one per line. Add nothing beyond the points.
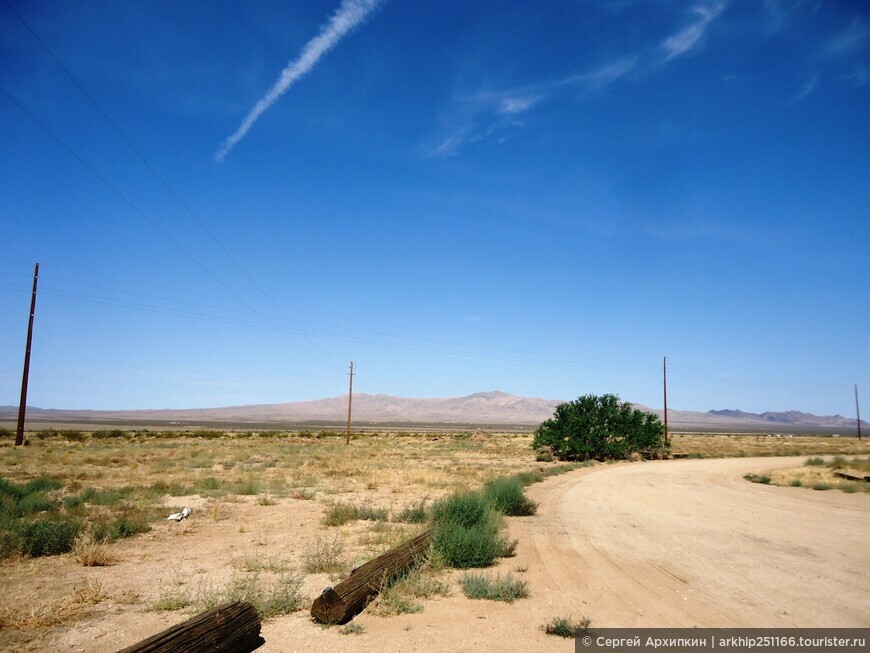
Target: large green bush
(600, 427)
(507, 496)
(465, 531)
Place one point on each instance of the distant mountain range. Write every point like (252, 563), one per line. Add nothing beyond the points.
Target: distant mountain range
(480, 408)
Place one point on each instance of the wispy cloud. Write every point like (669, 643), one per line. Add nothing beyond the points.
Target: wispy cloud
(515, 105)
(608, 72)
(350, 14)
(853, 39)
(687, 38)
(808, 88)
(475, 117)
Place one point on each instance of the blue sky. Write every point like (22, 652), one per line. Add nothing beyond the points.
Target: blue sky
(543, 198)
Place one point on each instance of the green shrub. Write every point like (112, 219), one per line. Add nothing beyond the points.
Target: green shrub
(507, 496)
(530, 478)
(18, 500)
(121, 527)
(505, 588)
(461, 509)
(757, 478)
(370, 513)
(416, 513)
(207, 484)
(816, 461)
(464, 547)
(42, 484)
(599, 427)
(507, 548)
(109, 497)
(821, 486)
(566, 627)
(109, 435)
(33, 503)
(340, 513)
(796, 482)
(47, 536)
(248, 486)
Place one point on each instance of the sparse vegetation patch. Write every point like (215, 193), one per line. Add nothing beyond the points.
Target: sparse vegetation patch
(507, 588)
(567, 627)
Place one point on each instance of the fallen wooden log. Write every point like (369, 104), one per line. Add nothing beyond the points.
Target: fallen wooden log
(851, 477)
(229, 628)
(340, 604)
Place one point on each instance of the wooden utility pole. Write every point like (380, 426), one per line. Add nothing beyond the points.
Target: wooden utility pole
(22, 406)
(666, 398)
(858, 411)
(231, 628)
(349, 403)
(340, 604)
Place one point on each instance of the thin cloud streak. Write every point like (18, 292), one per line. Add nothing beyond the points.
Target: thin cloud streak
(808, 88)
(687, 38)
(500, 108)
(350, 14)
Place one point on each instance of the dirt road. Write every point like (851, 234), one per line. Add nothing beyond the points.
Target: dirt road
(672, 543)
(691, 543)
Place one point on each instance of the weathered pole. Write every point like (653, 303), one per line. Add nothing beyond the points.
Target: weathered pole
(857, 411)
(229, 628)
(349, 402)
(340, 604)
(666, 398)
(22, 406)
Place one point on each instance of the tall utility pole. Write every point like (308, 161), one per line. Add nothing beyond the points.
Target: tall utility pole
(665, 369)
(349, 403)
(858, 411)
(19, 434)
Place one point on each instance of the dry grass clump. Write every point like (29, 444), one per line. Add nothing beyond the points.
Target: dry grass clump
(92, 553)
(567, 627)
(324, 555)
(400, 596)
(271, 598)
(749, 445)
(35, 614)
(817, 473)
(507, 588)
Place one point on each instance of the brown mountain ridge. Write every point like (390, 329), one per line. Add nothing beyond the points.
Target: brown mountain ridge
(489, 408)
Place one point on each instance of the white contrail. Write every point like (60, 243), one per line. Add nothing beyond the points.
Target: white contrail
(350, 14)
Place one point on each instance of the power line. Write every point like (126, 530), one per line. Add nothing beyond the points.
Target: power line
(138, 211)
(158, 176)
(390, 341)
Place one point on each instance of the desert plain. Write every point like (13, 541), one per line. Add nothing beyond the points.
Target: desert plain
(685, 542)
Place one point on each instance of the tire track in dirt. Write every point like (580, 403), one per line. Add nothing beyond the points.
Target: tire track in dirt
(691, 543)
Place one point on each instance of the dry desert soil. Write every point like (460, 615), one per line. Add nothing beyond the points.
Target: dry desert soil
(660, 543)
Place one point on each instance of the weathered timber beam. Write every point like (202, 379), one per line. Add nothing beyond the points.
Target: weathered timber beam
(340, 604)
(851, 477)
(229, 628)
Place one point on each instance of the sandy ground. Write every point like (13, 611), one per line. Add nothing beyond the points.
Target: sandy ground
(691, 543)
(671, 543)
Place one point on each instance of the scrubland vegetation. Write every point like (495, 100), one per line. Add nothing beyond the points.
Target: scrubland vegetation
(817, 473)
(92, 505)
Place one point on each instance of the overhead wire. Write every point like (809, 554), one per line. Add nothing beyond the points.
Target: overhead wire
(325, 331)
(161, 179)
(137, 210)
